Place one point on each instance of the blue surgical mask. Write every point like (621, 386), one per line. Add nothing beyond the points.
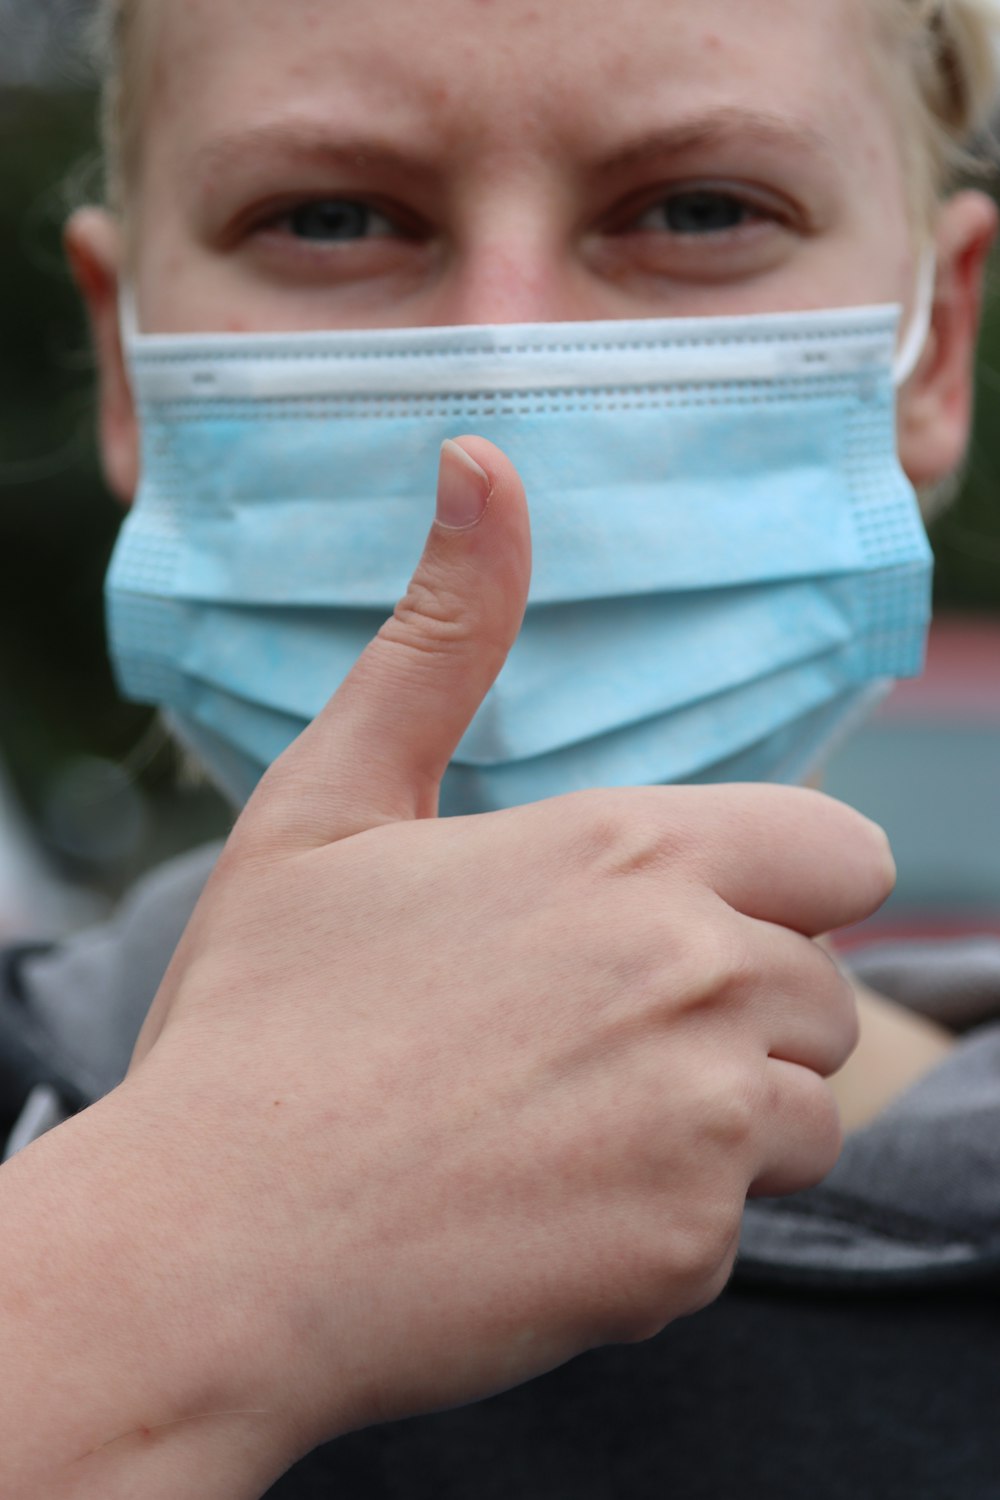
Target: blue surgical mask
(730, 565)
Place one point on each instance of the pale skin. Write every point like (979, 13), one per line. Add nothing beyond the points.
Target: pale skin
(397, 1134)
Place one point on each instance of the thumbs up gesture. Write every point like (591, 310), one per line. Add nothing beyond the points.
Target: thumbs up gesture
(444, 1103)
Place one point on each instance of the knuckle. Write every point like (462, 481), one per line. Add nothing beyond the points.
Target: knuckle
(444, 616)
(846, 1013)
(718, 1268)
(607, 829)
(838, 1005)
(624, 832)
(736, 962)
(732, 1108)
(708, 960)
(428, 617)
(685, 1265)
(690, 963)
(702, 1255)
(824, 1001)
(826, 1131)
(818, 1134)
(683, 964)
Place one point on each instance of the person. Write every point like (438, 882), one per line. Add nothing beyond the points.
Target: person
(424, 1107)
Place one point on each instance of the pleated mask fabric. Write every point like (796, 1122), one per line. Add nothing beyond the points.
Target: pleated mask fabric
(729, 564)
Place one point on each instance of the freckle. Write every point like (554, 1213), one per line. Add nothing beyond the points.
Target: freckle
(277, 1103)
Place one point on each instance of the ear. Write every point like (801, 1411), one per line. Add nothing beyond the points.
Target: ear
(935, 405)
(93, 243)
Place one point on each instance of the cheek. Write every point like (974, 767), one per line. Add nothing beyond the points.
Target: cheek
(176, 285)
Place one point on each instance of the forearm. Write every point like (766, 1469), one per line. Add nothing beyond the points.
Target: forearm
(117, 1357)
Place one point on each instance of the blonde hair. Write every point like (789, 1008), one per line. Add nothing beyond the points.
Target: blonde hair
(116, 44)
(947, 95)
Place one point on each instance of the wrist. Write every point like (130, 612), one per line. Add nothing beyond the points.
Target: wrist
(132, 1362)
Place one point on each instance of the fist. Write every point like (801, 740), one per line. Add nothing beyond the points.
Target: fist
(455, 1100)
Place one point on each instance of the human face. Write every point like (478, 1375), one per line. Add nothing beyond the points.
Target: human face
(316, 164)
(506, 161)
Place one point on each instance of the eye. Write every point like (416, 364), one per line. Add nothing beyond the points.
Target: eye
(698, 212)
(335, 221)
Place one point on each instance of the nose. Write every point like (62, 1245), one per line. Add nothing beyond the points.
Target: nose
(513, 281)
(511, 256)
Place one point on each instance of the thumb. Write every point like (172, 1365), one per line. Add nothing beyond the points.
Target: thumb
(378, 751)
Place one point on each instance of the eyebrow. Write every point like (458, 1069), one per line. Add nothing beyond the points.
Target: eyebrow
(316, 143)
(322, 144)
(718, 128)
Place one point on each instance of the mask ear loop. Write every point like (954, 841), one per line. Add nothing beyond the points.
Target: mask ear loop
(128, 316)
(915, 340)
(128, 325)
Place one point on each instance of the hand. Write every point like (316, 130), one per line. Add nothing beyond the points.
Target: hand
(471, 1096)
(424, 1108)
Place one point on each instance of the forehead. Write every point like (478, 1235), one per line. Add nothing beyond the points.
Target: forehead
(469, 75)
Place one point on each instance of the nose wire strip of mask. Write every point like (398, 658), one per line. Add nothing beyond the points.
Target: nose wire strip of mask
(904, 364)
(424, 363)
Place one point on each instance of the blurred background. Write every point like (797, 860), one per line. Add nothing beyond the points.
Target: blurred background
(91, 794)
